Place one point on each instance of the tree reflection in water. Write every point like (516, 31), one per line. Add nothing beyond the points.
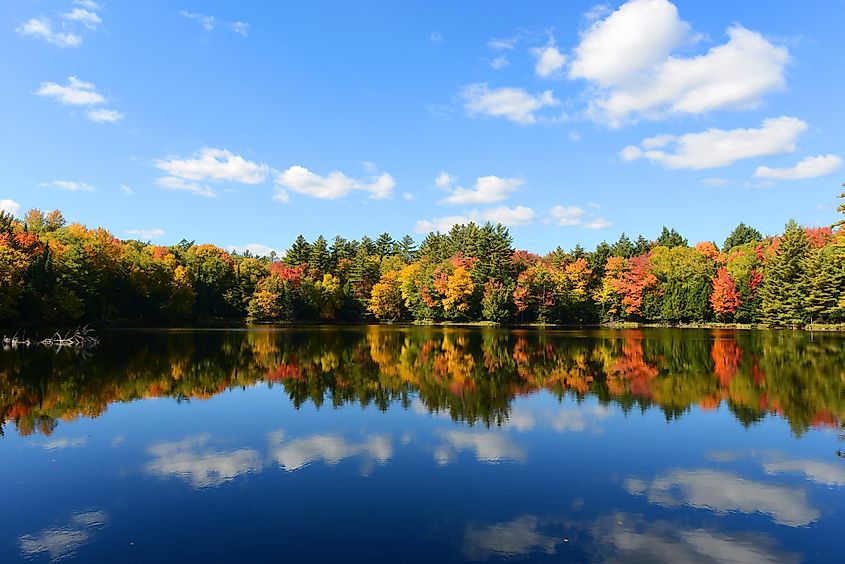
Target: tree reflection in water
(472, 375)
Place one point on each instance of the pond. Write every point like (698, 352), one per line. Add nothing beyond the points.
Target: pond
(391, 444)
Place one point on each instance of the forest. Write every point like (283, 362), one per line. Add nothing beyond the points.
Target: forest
(52, 273)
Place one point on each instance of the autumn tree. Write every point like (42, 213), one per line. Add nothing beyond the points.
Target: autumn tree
(741, 235)
(725, 298)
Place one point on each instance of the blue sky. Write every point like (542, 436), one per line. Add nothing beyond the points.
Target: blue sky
(248, 123)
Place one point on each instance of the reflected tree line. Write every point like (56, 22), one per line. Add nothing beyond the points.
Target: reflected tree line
(471, 375)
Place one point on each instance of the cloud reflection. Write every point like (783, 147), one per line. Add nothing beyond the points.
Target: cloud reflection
(193, 460)
(519, 537)
(723, 492)
(329, 448)
(61, 542)
(489, 446)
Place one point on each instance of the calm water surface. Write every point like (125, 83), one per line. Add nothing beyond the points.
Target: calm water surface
(425, 445)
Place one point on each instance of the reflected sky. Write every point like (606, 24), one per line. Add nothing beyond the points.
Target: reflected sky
(375, 443)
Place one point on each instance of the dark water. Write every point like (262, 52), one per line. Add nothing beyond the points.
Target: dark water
(422, 445)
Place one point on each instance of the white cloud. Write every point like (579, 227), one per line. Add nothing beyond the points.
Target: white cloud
(194, 461)
(173, 183)
(336, 185)
(810, 167)
(241, 28)
(487, 189)
(70, 186)
(489, 446)
(60, 542)
(722, 493)
(718, 147)
(574, 216)
(628, 57)
(209, 165)
(90, 4)
(514, 104)
(146, 234)
(126, 189)
(207, 22)
(407, 196)
(511, 217)
(43, 29)
(598, 223)
(9, 206)
(257, 250)
(567, 216)
(549, 59)
(444, 180)
(499, 62)
(715, 181)
(87, 18)
(75, 93)
(637, 36)
(104, 115)
(436, 37)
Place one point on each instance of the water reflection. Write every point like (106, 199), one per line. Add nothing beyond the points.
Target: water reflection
(330, 449)
(724, 492)
(193, 460)
(64, 540)
(471, 376)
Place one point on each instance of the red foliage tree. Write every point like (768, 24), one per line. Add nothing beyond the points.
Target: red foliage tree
(725, 297)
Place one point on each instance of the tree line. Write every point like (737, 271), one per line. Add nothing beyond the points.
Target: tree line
(54, 272)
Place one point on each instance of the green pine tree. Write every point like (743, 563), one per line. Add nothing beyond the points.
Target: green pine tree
(783, 292)
(299, 253)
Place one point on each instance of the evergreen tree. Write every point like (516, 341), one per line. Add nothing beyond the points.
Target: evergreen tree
(319, 257)
(623, 247)
(384, 245)
(407, 249)
(339, 250)
(641, 246)
(823, 279)
(578, 252)
(741, 235)
(299, 253)
(783, 292)
(841, 209)
(671, 238)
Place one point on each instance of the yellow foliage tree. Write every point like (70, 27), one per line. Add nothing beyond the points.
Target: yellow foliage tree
(386, 297)
(459, 289)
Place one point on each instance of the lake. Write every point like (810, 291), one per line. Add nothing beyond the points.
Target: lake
(390, 444)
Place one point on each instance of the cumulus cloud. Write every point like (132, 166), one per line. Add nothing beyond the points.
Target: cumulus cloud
(75, 93)
(574, 216)
(193, 460)
(42, 28)
(549, 60)
(85, 17)
(63, 541)
(722, 492)
(810, 167)
(70, 186)
(487, 189)
(209, 165)
(718, 147)
(336, 185)
(104, 115)
(514, 104)
(9, 206)
(146, 234)
(80, 93)
(511, 217)
(628, 57)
